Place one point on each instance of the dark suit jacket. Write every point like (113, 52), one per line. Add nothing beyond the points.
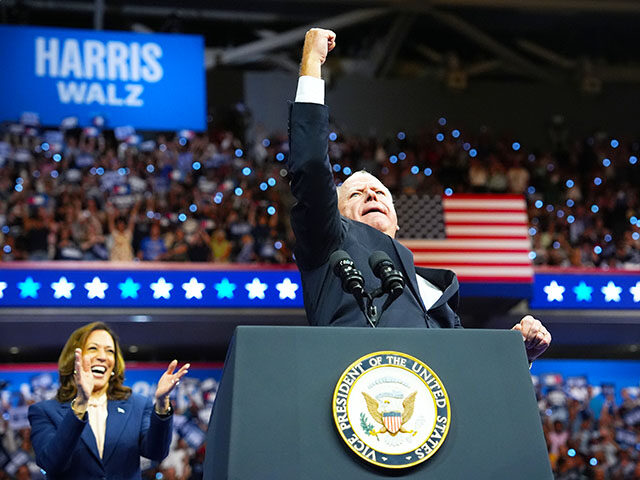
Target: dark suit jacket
(66, 448)
(320, 230)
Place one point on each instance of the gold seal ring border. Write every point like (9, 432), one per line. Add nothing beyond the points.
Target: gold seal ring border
(390, 352)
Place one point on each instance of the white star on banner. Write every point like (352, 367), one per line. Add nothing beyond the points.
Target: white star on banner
(287, 289)
(3, 285)
(635, 291)
(554, 291)
(611, 292)
(96, 288)
(193, 289)
(161, 288)
(256, 289)
(62, 288)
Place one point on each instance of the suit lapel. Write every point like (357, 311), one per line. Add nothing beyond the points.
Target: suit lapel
(118, 412)
(406, 257)
(87, 435)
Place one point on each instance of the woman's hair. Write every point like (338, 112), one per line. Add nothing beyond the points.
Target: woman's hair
(66, 364)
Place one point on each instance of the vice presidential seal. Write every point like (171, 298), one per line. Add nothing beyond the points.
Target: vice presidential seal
(391, 409)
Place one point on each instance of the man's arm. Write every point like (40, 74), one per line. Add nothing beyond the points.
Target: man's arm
(315, 218)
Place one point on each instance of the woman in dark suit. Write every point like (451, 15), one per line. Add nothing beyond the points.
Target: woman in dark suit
(96, 428)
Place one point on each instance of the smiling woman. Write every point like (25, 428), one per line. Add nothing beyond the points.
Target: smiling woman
(96, 428)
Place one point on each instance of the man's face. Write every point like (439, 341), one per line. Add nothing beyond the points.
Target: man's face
(364, 198)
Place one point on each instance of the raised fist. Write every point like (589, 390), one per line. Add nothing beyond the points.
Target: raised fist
(317, 44)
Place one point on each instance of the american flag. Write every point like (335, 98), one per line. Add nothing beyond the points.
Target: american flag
(480, 237)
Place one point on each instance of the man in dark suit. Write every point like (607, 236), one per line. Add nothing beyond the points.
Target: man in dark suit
(359, 218)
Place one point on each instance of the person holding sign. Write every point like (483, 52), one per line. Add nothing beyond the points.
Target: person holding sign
(96, 428)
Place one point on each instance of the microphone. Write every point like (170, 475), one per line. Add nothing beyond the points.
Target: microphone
(391, 279)
(344, 268)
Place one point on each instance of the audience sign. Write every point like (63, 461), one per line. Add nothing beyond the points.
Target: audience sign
(148, 81)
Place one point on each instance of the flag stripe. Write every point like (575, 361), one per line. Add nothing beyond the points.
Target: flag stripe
(479, 257)
(519, 218)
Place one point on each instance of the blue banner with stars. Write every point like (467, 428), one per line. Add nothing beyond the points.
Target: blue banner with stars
(581, 290)
(32, 287)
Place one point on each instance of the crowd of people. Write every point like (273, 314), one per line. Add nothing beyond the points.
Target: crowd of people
(86, 194)
(592, 432)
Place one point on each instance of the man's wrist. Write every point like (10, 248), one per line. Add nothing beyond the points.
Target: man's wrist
(311, 66)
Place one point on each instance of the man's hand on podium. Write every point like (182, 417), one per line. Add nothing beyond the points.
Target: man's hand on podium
(536, 338)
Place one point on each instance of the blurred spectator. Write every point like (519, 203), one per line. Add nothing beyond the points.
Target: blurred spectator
(152, 246)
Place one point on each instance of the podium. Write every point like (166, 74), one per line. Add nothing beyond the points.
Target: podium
(272, 418)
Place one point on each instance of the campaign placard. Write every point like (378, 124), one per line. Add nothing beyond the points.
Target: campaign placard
(147, 81)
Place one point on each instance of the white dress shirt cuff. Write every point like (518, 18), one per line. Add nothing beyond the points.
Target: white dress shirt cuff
(310, 90)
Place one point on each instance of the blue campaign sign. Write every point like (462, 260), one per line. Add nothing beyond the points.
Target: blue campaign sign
(150, 288)
(148, 81)
(581, 290)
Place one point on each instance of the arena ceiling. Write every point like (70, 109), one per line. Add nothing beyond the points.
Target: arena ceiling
(588, 42)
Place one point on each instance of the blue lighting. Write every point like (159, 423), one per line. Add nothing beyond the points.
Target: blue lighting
(122, 171)
(440, 137)
(532, 255)
(583, 292)
(5, 229)
(277, 245)
(100, 171)
(556, 245)
(595, 208)
(448, 192)
(336, 167)
(239, 152)
(473, 152)
(531, 190)
(635, 235)
(57, 157)
(515, 146)
(532, 231)
(182, 141)
(271, 210)
(442, 121)
(54, 174)
(129, 288)
(225, 288)
(271, 181)
(401, 136)
(550, 208)
(150, 214)
(615, 143)
(150, 168)
(346, 171)
(264, 186)
(218, 198)
(238, 191)
(597, 249)
(607, 238)
(280, 156)
(18, 188)
(569, 183)
(182, 217)
(571, 219)
(193, 208)
(6, 249)
(455, 133)
(633, 159)
(45, 147)
(333, 136)
(571, 452)
(539, 204)
(402, 155)
(570, 202)
(466, 146)
(560, 213)
(606, 162)
(196, 165)
(427, 172)
(246, 171)
(393, 159)
(29, 288)
(633, 220)
(593, 462)
(266, 142)
(415, 170)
